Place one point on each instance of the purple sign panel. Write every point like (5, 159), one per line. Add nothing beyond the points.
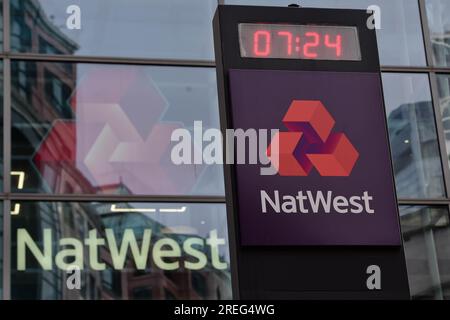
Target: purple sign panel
(333, 182)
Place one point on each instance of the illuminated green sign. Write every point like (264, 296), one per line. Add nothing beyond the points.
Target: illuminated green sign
(166, 252)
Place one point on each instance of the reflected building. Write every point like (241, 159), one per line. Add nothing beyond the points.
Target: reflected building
(33, 31)
(440, 32)
(444, 101)
(81, 128)
(441, 47)
(426, 232)
(418, 171)
(52, 103)
(44, 98)
(64, 220)
(75, 220)
(43, 111)
(413, 144)
(155, 283)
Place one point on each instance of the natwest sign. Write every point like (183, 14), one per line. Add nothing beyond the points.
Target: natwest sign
(310, 143)
(334, 184)
(312, 78)
(318, 202)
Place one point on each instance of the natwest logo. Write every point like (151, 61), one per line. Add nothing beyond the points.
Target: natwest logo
(310, 143)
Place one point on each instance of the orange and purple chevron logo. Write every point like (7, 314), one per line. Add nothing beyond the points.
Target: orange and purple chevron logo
(310, 143)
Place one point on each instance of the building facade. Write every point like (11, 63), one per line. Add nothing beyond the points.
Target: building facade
(91, 93)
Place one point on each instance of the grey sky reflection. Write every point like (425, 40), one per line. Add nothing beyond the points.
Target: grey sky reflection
(139, 28)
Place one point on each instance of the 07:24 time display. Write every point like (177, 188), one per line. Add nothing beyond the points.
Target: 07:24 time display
(305, 46)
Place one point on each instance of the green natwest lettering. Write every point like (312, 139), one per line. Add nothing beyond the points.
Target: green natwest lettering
(165, 251)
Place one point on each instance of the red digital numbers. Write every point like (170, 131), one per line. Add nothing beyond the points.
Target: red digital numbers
(288, 36)
(312, 42)
(337, 44)
(310, 45)
(262, 43)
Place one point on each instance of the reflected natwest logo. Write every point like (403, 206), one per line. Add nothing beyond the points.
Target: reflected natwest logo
(310, 143)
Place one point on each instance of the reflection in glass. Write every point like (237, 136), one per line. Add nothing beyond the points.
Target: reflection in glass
(167, 29)
(412, 133)
(124, 251)
(1, 124)
(426, 235)
(1, 25)
(439, 25)
(400, 38)
(87, 128)
(444, 102)
(1, 250)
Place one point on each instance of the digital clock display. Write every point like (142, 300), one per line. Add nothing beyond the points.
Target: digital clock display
(287, 41)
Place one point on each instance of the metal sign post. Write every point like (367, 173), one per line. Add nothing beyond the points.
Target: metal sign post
(324, 223)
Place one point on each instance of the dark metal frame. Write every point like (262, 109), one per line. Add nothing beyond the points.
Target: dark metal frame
(228, 57)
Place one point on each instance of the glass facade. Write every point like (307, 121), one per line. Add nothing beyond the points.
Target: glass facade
(1, 247)
(90, 93)
(107, 128)
(175, 29)
(1, 125)
(444, 105)
(412, 132)
(426, 235)
(182, 252)
(439, 25)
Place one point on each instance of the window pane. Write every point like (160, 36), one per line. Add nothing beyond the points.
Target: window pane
(439, 25)
(1, 25)
(123, 28)
(1, 250)
(181, 251)
(92, 128)
(426, 235)
(412, 133)
(1, 124)
(400, 38)
(444, 102)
